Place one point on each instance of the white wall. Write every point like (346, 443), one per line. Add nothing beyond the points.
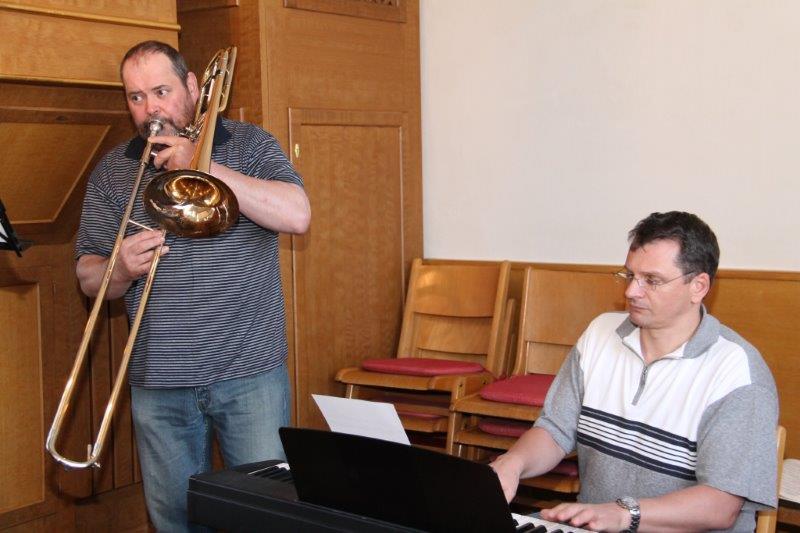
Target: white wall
(551, 126)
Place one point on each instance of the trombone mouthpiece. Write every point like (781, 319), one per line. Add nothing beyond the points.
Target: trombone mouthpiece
(155, 126)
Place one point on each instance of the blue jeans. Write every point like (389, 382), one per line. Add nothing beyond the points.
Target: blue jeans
(174, 430)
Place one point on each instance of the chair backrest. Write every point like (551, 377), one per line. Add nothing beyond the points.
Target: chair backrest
(458, 312)
(767, 521)
(557, 305)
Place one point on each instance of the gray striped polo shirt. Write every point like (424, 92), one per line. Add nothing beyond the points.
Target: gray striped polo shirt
(703, 414)
(216, 309)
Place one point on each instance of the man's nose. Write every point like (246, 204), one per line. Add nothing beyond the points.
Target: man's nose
(152, 107)
(633, 289)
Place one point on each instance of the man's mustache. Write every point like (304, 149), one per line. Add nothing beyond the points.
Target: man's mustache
(168, 126)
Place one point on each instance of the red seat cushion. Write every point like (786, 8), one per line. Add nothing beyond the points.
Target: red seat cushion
(504, 428)
(567, 467)
(418, 366)
(530, 389)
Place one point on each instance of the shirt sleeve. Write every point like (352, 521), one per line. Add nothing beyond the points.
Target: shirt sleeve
(562, 406)
(266, 160)
(100, 218)
(736, 448)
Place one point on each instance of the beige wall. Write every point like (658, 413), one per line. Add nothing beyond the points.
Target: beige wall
(550, 127)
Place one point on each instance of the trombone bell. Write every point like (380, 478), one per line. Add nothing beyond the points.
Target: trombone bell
(191, 203)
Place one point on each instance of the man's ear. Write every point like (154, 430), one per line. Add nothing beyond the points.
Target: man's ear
(700, 285)
(191, 84)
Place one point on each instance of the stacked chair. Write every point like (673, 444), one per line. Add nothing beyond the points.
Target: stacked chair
(453, 341)
(556, 306)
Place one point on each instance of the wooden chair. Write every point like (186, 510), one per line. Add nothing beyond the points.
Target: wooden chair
(767, 521)
(556, 307)
(453, 340)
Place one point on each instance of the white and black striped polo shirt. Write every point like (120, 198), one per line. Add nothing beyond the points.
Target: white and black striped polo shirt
(216, 309)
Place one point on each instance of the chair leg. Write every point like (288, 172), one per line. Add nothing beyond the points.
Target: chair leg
(454, 426)
(351, 391)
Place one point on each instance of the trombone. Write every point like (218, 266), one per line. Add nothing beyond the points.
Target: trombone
(188, 202)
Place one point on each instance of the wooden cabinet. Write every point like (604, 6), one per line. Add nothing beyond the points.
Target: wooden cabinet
(337, 82)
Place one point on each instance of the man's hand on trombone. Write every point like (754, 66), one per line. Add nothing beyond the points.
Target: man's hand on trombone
(176, 152)
(136, 254)
(133, 262)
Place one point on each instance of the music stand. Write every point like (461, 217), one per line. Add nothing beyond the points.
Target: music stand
(8, 238)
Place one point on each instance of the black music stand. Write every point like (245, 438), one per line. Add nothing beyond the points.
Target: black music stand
(8, 238)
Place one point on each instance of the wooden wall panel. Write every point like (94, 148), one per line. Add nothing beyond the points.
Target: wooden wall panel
(339, 62)
(51, 45)
(49, 159)
(27, 309)
(222, 25)
(348, 269)
(151, 11)
(21, 381)
(49, 152)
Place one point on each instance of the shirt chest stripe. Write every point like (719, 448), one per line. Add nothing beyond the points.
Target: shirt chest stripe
(654, 432)
(637, 443)
(640, 444)
(631, 457)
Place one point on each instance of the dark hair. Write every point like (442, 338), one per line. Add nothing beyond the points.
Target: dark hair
(699, 249)
(157, 47)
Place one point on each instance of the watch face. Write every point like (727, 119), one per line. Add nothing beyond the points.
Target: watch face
(629, 503)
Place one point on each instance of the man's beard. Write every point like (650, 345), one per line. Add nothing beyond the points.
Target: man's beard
(169, 126)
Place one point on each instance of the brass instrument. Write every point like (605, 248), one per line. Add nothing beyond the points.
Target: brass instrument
(188, 202)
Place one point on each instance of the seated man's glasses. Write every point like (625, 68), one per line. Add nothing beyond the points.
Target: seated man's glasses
(648, 282)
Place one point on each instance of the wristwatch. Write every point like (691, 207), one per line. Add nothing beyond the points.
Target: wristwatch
(633, 507)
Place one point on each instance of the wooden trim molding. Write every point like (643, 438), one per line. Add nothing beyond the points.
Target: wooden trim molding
(187, 6)
(388, 10)
(722, 273)
(60, 81)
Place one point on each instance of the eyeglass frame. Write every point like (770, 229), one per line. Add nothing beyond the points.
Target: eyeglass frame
(628, 277)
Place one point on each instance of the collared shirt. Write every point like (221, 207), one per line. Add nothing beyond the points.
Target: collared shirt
(704, 414)
(216, 309)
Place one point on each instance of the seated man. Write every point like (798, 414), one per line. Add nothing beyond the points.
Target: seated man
(673, 414)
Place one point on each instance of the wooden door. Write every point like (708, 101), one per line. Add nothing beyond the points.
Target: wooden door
(349, 269)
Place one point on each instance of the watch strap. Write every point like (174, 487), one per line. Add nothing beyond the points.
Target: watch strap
(632, 506)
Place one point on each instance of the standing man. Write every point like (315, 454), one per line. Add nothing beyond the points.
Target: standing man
(673, 414)
(211, 352)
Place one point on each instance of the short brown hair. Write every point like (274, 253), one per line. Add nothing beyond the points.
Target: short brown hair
(157, 47)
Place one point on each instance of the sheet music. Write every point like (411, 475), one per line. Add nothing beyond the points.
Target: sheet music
(790, 480)
(361, 417)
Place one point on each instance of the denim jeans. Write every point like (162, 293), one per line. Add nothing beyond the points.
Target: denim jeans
(174, 432)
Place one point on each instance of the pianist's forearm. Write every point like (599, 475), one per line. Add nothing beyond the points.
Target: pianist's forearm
(535, 453)
(697, 508)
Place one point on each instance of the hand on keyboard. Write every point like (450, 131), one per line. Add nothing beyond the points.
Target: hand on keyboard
(528, 524)
(594, 516)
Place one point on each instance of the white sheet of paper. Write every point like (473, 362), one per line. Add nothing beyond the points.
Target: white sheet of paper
(790, 480)
(361, 417)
